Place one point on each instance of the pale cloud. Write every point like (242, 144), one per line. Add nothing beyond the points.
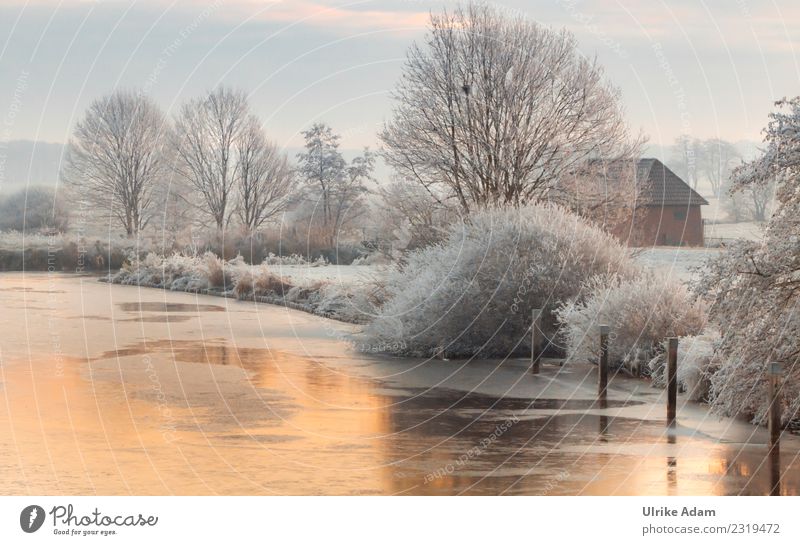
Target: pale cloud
(350, 15)
(360, 14)
(774, 26)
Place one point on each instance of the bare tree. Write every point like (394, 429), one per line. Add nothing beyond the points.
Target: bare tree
(116, 157)
(494, 110)
(718, 159)
(748, 202)
(265, 181)
(686, 155)
(336, 186)
(205, 140)
(321, 166)
(761, 196)
(348, 191)
(603, 191)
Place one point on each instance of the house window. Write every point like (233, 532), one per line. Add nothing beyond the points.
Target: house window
(679, 214)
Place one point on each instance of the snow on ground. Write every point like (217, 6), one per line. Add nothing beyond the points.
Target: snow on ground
(675, 262)
(305, 275)
(749, 230)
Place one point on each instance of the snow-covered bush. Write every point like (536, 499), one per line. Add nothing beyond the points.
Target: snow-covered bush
(474, 292)
(349, 303)
(754, 287)
(641, 312)
(695, 362)
(180, 272)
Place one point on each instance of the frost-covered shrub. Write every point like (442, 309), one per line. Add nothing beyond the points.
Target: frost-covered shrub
(474, 292)
(349, 303)
(179, 272)
(641, 312)
(302, 293)
(695, 362)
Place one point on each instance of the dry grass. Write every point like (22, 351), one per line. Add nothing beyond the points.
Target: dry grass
(260, 282)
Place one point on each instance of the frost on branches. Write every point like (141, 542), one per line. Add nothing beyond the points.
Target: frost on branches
(473, 293)
(753, 288)
(641, 312)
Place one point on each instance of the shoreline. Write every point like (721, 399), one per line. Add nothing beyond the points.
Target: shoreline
(265, 299)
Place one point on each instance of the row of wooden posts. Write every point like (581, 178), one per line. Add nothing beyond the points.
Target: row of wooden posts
(774, 374)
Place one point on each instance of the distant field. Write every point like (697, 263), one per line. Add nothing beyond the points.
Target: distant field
(303, 275)
(749, 230)
(676, 262)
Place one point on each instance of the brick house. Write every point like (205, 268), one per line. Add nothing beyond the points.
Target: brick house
(666, 212)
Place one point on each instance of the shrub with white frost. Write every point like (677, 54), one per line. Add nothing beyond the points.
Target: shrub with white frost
(473, 293)
(641, 312)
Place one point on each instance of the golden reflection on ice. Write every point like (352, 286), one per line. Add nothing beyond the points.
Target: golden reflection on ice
(100, 395)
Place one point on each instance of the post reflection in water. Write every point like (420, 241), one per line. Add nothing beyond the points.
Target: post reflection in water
(672, 466)
(775, 471)
(602, 428)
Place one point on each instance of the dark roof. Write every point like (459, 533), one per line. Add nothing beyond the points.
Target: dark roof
(659, 186)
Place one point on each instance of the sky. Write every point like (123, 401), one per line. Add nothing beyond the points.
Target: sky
(707, 68)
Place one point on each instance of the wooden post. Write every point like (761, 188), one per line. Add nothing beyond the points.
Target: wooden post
(602, 372)
(775, 370)
(536, 340)
(672, 380)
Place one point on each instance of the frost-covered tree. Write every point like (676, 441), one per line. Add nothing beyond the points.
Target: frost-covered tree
(754, 287)
(494, 109)
(473, 293)
(207, 130)
(265, 181)
(335, 186)
(117, 156)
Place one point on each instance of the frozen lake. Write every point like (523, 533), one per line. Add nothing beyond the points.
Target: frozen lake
(108, 389)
